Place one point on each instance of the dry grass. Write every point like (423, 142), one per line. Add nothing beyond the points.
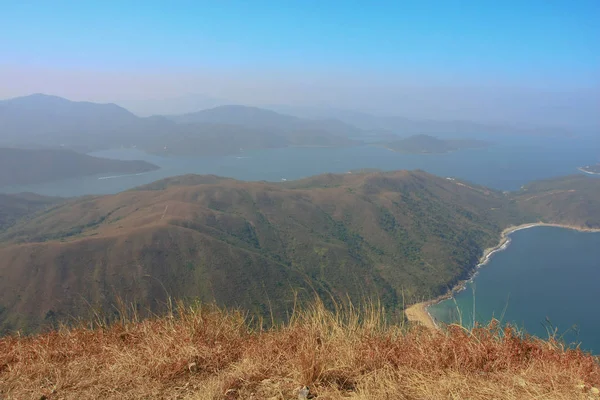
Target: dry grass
(207, 353)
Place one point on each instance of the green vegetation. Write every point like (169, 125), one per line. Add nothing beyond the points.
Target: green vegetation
(399, 237)
(572, 200)
(16, 206)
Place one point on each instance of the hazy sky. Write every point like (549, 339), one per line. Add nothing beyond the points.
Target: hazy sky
(526, 60)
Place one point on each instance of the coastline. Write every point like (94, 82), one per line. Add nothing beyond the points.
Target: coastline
(419, 312)
(588, 172)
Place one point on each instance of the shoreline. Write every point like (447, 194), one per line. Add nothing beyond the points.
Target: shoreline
(419, 312)
(588, 172)
(124, 175)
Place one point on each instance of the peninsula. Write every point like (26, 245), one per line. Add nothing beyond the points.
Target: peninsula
(30, 166)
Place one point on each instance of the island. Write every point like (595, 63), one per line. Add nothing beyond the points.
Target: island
(425, 144)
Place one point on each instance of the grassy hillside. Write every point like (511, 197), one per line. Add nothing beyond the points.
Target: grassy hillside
(399, 236)
(208, 354)
(23, 167)
(573, 200)
(392, 235)
(16, 206)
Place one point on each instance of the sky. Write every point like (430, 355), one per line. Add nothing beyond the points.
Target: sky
(479, 59)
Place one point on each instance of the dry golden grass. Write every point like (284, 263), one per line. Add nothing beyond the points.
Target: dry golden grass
(207, 353)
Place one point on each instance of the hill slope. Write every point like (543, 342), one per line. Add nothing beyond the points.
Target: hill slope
(16, 206)
(245, 244)
(400, 237)
(22, 167)
(573, 200)
(42, 120)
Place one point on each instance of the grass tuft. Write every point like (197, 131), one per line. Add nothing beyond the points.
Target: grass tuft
(203, 352)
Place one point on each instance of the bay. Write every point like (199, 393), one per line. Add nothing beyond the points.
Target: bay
(547, 279)
(507, 165)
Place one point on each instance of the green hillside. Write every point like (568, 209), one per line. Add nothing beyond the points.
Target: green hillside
(16, 206)
(399, 236)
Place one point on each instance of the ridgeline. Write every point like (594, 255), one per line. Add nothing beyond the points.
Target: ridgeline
(400, 237)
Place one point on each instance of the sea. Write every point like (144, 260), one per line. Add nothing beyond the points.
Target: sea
(545, 282)
(507, 165)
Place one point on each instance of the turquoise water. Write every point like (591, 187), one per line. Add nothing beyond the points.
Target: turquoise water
(546, 277)
(505, 166)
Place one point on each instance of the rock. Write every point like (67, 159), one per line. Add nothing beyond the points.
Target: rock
(304, 393)
(193, 367)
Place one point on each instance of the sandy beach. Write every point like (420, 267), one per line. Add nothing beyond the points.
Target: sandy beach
(419, 313)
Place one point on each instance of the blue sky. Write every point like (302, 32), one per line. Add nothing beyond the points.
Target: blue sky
(551, 45)
(513, 38)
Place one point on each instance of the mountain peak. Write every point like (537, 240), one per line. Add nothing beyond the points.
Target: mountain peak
(42, 99)
(234, 113)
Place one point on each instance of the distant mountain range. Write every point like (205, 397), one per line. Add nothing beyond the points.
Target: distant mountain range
(268, 120)
(392, 236)
(425, 144)
(402, 126)
(255, 128)
(27, 166)
(42, 121)
(48, 121)
(186, 103)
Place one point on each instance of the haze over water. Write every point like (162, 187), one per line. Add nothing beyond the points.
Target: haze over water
(509, 164)
(546, 278)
